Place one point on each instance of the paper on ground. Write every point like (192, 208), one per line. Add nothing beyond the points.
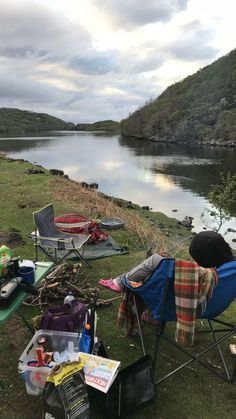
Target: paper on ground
(99, 372)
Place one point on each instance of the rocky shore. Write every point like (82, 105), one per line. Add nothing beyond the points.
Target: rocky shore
(219, 142)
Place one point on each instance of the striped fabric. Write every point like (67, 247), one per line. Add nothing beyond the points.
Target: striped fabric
(126, 317)
(193, 287)
(79, 224)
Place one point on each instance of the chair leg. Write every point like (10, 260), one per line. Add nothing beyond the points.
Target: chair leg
(81, 257)
(159, 331)
(196, 357)
(234, 370)
(57, 261)
(46, 254)
(219, 351)
(36, 252)
(139, 326)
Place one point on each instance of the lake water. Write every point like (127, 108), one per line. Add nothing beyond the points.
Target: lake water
(164, 177)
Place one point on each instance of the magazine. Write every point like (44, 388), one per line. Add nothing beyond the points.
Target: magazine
(99, 372)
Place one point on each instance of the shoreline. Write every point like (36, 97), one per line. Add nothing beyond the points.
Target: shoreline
(126, 204)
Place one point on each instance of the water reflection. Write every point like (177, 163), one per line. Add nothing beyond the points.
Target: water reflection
(191, 167)
(165, 177)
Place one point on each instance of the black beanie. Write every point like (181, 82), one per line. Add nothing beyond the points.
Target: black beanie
(209, 249)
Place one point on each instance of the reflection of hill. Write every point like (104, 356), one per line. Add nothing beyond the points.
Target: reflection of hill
(20, 145)
(193, 168)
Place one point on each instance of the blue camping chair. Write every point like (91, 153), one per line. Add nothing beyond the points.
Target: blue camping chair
(158, 294)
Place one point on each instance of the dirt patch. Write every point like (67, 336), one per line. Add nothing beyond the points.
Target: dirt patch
(11, 239)
(29, 204)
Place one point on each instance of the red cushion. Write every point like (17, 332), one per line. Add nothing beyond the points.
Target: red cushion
(69, 224)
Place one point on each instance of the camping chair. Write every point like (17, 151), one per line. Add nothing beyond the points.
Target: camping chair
(52, 241)
(158, 294)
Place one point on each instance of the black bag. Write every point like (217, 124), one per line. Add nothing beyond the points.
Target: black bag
(132, 388)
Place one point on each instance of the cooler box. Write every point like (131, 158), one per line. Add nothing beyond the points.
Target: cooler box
(35, 377)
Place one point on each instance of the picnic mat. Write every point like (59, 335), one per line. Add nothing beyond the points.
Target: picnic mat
(100, 250)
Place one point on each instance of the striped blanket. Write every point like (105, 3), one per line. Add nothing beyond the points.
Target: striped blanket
(127, 314)
(193, 287)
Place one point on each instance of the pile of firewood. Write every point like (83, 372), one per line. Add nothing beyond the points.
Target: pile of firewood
(64, 277)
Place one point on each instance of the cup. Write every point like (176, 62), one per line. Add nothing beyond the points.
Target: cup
(27, 274)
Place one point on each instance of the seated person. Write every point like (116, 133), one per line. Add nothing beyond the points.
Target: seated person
(208, 249)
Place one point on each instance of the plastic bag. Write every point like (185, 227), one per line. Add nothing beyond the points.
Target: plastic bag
(65, 393)
(68, 318)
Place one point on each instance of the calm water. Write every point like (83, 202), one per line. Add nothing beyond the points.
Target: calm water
(164, 177)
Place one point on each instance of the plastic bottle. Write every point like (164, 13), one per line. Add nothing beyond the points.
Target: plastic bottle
(85, 340)
(87, 329)
(5, 257)
(69, 298)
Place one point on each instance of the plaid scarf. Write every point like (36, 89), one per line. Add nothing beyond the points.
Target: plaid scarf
(126, 313)
(193, 287)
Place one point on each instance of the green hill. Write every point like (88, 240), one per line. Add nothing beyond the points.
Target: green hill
(108, 126)
(199, 109)
(19, 121)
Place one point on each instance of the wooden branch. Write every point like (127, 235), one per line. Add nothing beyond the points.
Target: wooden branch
(55, 271)
(54, 285)
(110, 300)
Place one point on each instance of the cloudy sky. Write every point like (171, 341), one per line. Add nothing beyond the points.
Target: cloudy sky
(90, 60)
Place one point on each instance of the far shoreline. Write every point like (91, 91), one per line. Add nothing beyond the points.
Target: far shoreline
(191, 229)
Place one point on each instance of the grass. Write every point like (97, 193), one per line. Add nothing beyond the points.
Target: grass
(193, 393)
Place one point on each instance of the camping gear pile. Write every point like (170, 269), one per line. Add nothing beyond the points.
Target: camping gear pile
(15, 275)
(55, 286)
(56, 364)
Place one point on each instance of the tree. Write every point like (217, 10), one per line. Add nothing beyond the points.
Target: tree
(222, 198)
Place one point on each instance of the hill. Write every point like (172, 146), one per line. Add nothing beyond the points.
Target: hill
(199, 109)
(108, 126)
(19, 121)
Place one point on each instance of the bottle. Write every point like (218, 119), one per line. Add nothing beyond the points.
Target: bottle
(5, 257)
(85, 340)
(87, 329)
(69, 298)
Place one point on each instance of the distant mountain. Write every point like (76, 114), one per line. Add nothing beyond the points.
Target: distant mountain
(199, 109)
(19, 121)
(108, 126)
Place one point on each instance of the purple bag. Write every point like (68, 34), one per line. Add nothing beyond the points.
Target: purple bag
(68, 318)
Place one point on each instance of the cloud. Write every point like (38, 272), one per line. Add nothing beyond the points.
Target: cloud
(146, 57)
(22, 91)
(25, 51)
(193, 43)
(94, 62)
(53, 60)
(32, 30)
(133, 13)
(190, 51)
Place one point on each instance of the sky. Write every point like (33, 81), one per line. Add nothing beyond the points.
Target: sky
(92, 60)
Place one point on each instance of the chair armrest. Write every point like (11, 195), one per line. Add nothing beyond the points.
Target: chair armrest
(77, 225)
(53, 239)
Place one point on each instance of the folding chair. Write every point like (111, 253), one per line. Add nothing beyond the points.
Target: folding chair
(158, 294)
(52, 241)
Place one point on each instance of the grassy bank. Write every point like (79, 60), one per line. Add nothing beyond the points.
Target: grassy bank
(193, 393)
